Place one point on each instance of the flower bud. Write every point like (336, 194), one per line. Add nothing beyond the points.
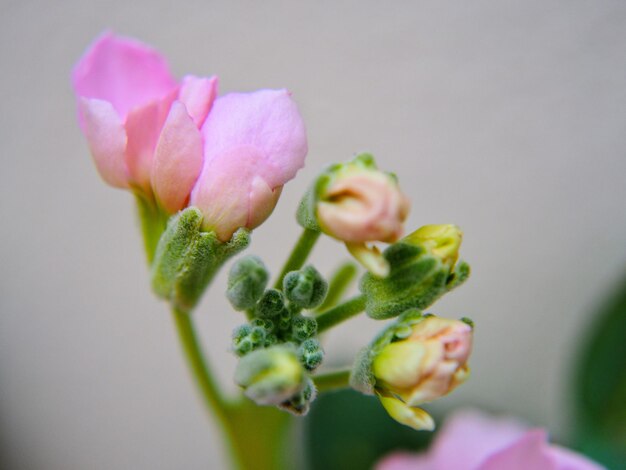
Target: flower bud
(357, 203)
(302, 328)
(253, 144)
(310, 354)
(305, 288)
(423, 267)
(442, 241)
(271, 376)
(271, 305)
(415, 360)
(247, 280)
(426, 365)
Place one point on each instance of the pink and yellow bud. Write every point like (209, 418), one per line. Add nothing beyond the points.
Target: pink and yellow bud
(443, 241)
(362, 204)
(427, 364)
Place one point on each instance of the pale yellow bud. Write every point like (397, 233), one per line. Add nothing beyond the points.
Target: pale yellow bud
(426, 365)
(443, 241)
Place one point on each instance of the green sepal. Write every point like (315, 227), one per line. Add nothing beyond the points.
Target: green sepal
(247, 281)
(305, 288)
(303, 328)
(300, 404)
(361, 376)
(305, 214)
(311, 354)
(187, 258)
(271, 305)
(416, 280)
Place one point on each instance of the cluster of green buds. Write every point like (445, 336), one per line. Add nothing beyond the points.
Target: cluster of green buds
(415, 360)
(278, 345)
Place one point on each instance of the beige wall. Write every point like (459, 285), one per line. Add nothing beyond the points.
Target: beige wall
(506, 118)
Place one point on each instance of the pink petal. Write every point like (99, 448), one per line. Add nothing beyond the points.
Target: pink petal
(143, 128)
(267, 120)
(107, 140)
(529, 452)
(405, 461)
(568, 460)
(229, 188)
(468, 437)
(198, 95)
(122, 71)
(177, 159)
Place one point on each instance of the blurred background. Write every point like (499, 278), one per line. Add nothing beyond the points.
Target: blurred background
(506, 118)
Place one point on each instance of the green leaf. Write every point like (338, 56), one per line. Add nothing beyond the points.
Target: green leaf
(600, 384)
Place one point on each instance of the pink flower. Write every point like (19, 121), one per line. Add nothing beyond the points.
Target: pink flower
(141, 124)
(470, 440)
(175, 142)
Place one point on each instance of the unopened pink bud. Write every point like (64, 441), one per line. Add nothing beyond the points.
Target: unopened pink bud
(361, 205)
(253, 144)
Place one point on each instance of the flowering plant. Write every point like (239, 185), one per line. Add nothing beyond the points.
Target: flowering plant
(205, 171)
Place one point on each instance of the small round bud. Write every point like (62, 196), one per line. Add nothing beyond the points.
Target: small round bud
(247, 280)
(271, 304)
(270, 376)
(302, 328)
(247, 338)
(265, 323)
(305, 288)
(310, 354)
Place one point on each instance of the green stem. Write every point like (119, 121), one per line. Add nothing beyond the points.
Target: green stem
(340, 313)
(332, 380)
(338, 285)
(256, 436)
(153, 222)
(199, 367)
(298, 255)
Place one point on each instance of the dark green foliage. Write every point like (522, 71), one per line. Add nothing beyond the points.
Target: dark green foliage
(600, 385)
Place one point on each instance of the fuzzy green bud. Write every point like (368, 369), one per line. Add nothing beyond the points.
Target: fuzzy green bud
(271, 304)
(247, 338)
(305, 288)
(247, 281)
(271, 376)
(310, 354)
(302, 328)
(423, 267)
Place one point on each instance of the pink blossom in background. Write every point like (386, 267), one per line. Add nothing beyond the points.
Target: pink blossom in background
(151, 134)
(470, 440)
